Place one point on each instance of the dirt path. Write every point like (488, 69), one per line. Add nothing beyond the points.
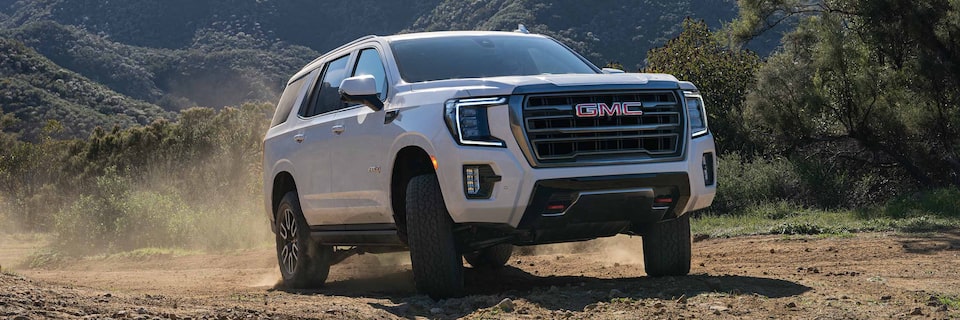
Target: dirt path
(865, 276)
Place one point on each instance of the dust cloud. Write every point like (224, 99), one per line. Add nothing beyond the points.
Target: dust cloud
(375, 265)
(375, 272)
(218, 212)
(620, 249)
(7, 225)
(382, 272)
(270, 279)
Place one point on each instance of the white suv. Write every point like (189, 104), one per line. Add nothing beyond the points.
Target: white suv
(464, 144)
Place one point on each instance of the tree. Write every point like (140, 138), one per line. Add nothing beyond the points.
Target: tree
(723, 76)
(882, 74)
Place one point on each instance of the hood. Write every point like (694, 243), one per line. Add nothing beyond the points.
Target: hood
(547, 83)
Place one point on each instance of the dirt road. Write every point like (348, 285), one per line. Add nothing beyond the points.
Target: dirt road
(866, 276)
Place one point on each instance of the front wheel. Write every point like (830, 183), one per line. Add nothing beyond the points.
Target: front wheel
(666, 248)
(437, 265)
(304, 263)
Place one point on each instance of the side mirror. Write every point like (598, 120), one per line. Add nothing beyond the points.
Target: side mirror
(612, 71)
(363, 90)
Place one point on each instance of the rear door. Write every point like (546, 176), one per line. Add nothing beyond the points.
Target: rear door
(318, 119)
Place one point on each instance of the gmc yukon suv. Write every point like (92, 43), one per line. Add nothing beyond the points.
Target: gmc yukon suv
(460, 145)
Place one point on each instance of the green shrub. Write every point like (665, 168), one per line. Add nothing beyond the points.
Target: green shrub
(743, 184)
(803, 228)
(952, 302)
(920, 224)
(44, 257)
(118, 214)
(92, 221)
(872, 188)
(937, 203)
(7, 225)
(826, 183)
(754, 184)
(83, 226)
(774, 210)
(153, 219)
(192, 184)
(129, 220)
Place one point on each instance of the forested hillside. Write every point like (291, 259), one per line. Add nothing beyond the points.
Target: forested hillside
(35, 91)
(606, 31)
(609, 31)
(217, 70)
(179, 54)
(174, 24)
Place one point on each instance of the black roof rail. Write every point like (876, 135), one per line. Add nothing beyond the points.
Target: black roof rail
(343, 46)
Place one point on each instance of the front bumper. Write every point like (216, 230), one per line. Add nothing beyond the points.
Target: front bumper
(600, 206)
(516, 193)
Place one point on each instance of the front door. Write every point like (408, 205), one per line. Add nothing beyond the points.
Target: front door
(359, 183)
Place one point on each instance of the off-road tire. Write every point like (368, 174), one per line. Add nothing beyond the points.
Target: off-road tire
(666, 248)
(304, 262)
(494, 257)
(437, 266)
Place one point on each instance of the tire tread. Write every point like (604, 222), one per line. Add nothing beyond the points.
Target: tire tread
(667, 248)
(437, 266)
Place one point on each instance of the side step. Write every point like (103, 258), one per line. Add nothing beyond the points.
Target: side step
(357, 235)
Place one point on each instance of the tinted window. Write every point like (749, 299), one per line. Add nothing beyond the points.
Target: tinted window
(290, 95)
(326, 94)
(441, 58)
(369, 63)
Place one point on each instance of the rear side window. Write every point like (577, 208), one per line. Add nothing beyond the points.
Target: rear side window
(326, 94)
(369, 63)
(289, 96)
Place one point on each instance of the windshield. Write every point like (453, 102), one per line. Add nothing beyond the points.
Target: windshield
(475, 56)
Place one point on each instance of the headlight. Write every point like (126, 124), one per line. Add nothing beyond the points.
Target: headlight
(467, 121)
(697, 114)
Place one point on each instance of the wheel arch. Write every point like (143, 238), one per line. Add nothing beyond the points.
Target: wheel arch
(283, 182)
(411, 161)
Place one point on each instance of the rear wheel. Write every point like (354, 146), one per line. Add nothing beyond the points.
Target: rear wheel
(304, 263)
(437, 266)
(666, 248)
(494, 257)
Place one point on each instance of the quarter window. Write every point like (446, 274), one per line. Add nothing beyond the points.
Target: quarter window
(290, 95)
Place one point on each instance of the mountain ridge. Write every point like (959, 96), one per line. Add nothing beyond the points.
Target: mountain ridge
(617, 30)
(177, 54)
(35, 90)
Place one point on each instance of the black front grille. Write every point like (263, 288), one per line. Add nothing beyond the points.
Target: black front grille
(557, 135)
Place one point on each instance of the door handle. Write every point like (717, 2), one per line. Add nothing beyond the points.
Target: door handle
(298, 138)
(338, 129)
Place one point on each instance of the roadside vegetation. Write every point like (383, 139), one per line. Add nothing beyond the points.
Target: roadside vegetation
(773, 197)
(193, 183)
(850, 126)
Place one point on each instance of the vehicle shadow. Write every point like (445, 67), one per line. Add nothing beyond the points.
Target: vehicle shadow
(383, 285)
(485, 288)
(944, 240)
